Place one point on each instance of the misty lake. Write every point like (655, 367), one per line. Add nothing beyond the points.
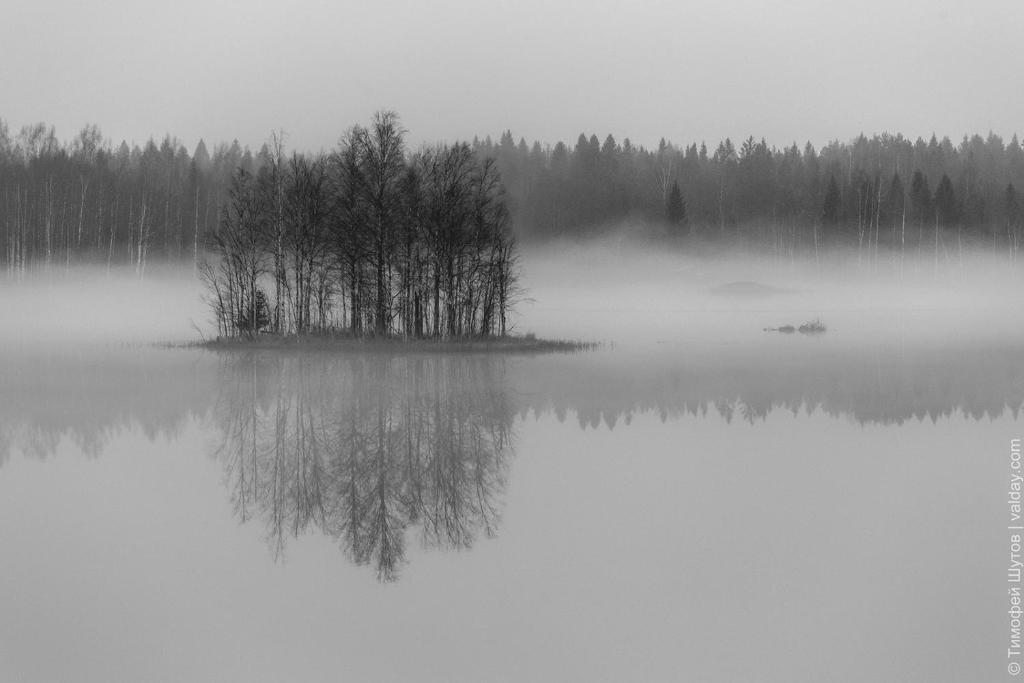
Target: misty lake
(698, 499)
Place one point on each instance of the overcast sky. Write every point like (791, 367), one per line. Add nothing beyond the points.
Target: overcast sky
(546, 69)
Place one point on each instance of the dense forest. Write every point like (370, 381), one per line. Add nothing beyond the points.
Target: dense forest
(89, 201)
(881, 190)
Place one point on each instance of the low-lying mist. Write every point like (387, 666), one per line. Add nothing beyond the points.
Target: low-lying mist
(94, 305)
(612, 290)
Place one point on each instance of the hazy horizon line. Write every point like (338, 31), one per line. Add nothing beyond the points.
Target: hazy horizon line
(112, 142)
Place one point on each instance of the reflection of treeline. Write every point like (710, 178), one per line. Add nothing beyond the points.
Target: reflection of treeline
(90, 399)
(877, 385)
(367, 238)
(363, 449)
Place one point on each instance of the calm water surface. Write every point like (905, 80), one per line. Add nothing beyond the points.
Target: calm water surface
(738, 507)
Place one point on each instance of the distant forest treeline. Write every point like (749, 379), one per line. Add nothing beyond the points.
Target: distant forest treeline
(885, 189)
(88, 201)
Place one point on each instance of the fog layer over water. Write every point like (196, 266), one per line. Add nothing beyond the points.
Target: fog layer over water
(638, 296)
(614, 291)
(88, 306)
(699, 499)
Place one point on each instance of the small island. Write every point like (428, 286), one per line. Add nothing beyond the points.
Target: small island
(340, 341)
(367, 247)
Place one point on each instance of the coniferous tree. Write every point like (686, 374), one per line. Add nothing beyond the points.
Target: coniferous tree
(675, 208)
(1013, 216)
(833, 200)
(920, 198)
(1013, 213)
(946, 209)
(895, 200)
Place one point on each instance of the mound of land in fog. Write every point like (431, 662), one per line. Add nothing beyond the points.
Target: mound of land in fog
(396, 344)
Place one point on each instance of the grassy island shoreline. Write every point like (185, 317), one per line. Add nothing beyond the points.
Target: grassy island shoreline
(337, 341)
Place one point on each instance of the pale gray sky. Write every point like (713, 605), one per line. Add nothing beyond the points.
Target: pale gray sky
(546, 69)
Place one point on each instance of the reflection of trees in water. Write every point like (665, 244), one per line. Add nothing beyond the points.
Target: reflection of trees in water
(869, 385)
(90, 397)
(374, 450)
(362, 448)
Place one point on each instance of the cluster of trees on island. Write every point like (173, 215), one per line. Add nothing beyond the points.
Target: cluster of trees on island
(365, 239)
(88, 201)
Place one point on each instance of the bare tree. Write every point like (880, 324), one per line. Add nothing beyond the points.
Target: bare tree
(240, 260)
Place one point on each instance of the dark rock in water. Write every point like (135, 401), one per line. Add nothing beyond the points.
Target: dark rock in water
(812, 327)
(746, 288)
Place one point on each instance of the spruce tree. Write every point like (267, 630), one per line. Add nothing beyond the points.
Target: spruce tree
(946, 210)
(675, 207)
(920, 197)
(894, 199)
(1013, 213)
(830, 210)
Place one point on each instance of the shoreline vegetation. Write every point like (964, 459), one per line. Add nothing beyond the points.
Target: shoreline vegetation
(341, 341)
